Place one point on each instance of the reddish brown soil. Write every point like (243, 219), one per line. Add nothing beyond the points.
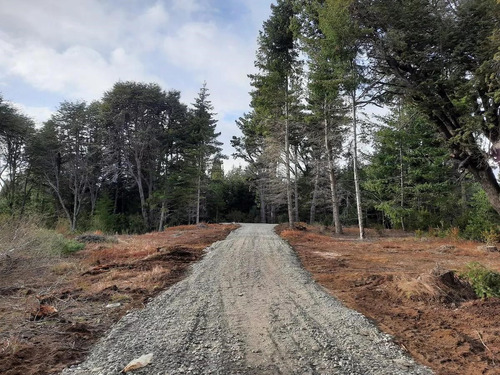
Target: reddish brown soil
(401, 283)
(129, 272)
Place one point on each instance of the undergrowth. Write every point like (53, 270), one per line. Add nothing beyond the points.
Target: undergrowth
(26, 236)
(485, 282)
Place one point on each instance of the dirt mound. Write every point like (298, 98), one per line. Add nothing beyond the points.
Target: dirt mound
(436, 286)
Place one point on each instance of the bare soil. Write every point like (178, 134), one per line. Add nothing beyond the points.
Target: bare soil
(402, 283)
(52, 311)
(248, 307)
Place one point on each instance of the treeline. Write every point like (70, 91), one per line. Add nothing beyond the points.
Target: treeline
(139, 159)
(313, 155)
(136, 160)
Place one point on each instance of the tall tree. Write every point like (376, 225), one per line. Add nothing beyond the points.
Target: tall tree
(356, 81)
(62, 154)
(444, 56)
(204, 141)
(134, 115)
(324, 95)
(277, 84)
(15, 132)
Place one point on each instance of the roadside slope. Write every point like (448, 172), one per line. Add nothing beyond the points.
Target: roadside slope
(249, 308)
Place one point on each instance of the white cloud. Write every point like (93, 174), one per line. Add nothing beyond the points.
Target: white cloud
(78, 72)
(38, 114)
(216, 55)
(187, 6)
(77, 49)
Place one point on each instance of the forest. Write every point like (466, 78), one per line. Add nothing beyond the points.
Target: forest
(363, 113)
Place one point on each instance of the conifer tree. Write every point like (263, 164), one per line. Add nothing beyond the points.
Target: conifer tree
(204, 141)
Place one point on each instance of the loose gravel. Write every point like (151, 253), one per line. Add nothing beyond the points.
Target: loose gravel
(248, 308)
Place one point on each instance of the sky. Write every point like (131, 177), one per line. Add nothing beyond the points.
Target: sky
(71, 50)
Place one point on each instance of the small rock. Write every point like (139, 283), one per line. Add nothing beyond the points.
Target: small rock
(113, 305)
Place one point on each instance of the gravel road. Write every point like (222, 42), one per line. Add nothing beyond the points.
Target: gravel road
(248, 308)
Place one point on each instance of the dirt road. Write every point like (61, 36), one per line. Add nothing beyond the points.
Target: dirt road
(248, 308)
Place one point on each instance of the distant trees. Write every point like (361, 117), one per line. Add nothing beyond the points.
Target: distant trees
(137, 160)
(15, 132)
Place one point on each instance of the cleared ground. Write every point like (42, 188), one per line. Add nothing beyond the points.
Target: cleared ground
(248, 308)
(122, 274)
(403, 283)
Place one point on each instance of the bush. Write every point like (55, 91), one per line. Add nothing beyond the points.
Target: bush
(482, 218)
(485, 282)
(25, 236)
(48, 242)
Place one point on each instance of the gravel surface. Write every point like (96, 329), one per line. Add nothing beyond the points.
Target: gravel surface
(248, 308)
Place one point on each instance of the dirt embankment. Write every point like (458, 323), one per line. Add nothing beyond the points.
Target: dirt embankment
(53, 310)
(403, 284)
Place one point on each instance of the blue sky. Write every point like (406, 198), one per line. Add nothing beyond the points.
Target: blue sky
(56, 50)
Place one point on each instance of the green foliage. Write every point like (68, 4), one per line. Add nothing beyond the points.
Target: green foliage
(103, 218)
(486, 282)
(482, 219)
(49, 242)
(491, 236)
(410, 177)
(26, 236)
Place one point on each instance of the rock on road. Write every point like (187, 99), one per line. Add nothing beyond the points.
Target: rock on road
(248, 308)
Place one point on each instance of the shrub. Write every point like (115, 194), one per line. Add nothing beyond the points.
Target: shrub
(486, 282)
(49, 242)
(482, 218)
(490, 236)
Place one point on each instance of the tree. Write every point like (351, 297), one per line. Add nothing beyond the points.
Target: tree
(134, 115)
(174, 148)
(250, 147)
(277, 85)
(15, 132)
(410, 177)
(63, 155)
(327, 125)
(358, 83)
(205, 146)
(444, 57)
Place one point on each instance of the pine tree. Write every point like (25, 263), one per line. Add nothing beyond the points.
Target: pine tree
(204, 143)
(277, 84)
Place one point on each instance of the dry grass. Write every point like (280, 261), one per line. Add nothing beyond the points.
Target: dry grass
(64, 268)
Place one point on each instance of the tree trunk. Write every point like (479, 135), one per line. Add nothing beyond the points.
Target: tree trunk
(140, 187)
(312, 212)
(75, 205)
(198, 197)
(333, 181)
(488, 182)
(143, 201)
(262, 204)
(402, 184)
(355, 167)
(162, 215)
(56, 189)
(287, 162)
(296, 186)
(25, 193)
